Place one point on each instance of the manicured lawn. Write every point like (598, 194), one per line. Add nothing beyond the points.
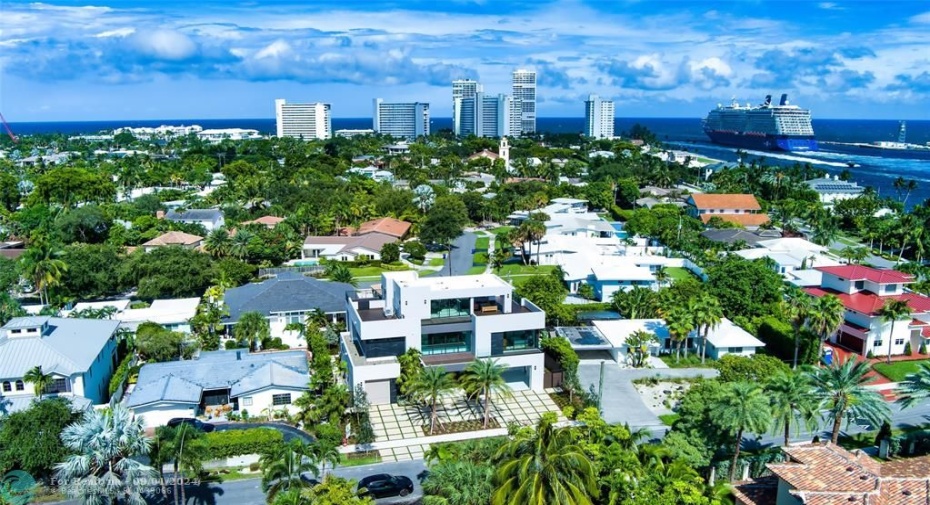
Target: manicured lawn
(679, 273)
(372, 271)
(502, 229)
(669, 419)
(359, 459)
(897, 371)
(229, 474)
(482, 243)
(435, 262)
(521, 269)
(475, 270)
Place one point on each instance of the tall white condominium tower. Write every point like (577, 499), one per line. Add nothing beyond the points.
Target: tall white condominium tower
(401, 120)
(303, 120)
(484, 116)
(598, 117)
(462, 89)
(523, 110)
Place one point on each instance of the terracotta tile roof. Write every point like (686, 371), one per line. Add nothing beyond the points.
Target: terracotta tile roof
(860, 272)
(385, 225)
(725, 201)
(173, 238)
(269, 221)
(740, 219)
(825, 474)
(870, 303)
(484, 154)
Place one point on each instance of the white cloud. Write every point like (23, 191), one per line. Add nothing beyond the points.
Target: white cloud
(164, 44)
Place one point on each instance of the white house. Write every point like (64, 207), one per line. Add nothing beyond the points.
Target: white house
(210, 219)
(174, 314)
(243, 381)
(451, 320)
(79, 354)
(373, 172)
(833, 190)
(864, 291)
(724, 338)
(790, 255)
(364, 243)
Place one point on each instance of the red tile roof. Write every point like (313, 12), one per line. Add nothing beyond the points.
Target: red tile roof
(860, 272)
(269, 221)
(870, 303)
(740, 219)
(725, 201)
(385, 225)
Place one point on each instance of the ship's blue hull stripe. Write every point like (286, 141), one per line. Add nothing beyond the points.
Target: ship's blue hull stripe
(765, 143)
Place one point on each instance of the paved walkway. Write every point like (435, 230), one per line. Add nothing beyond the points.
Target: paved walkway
(399, 432)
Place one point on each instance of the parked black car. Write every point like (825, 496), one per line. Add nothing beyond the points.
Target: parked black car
(196, 423)
(383, 485)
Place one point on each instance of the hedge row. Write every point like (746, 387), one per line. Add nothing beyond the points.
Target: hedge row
(227, 444)
(121, 374)
(779, 341)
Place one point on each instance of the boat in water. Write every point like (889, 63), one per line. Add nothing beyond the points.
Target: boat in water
(767, 127)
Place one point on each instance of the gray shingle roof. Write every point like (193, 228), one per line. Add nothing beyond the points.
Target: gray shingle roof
(194, 215)
(66, 347)
(734, 235)
(287, 292)
(240, 371)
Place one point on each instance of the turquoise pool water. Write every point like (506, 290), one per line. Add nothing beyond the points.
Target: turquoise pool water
(306, 263)
(619, 227)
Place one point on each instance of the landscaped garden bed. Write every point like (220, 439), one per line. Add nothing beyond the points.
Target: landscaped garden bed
(360, 458)
(461, 426)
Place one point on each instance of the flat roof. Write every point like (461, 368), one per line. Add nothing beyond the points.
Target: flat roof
(455, 282)
(584, 337)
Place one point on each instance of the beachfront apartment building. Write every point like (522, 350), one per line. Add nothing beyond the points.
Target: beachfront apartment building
(401, 120)
(863, 292)
(523, 105)
(452, 320)
(482, 115)
(598, 118)
(462, 89)
(306, 121)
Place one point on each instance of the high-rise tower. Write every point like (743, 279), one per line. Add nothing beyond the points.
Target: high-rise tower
(462, 89)
(598, 118)
(305, 121)
(523, 112)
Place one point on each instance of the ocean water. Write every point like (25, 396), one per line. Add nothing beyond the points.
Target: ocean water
(871, 167)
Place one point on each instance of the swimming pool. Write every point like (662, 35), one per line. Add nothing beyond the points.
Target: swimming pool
(306, 263)
(619, 227)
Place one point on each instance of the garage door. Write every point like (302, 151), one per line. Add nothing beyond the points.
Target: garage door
(379, 392)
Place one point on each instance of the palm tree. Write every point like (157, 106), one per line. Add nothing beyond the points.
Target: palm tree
(40, 381)
(252, 328)
(798, 306)
(324, 452)
(706, 312)
(430, 385)
(103, 467)
(485, 377)
(743, 408)
(239, 246)
(915, 388)
(218, 243)
(544, 468)
(825, 317)
(792, 402)
(680, 323)
(458, 483)
(42, 265)
(661, 275)
(186, 451)
(636, 303)
(341, 273)
(638, 346)
(894, 310)
(841, 389)
(281, 468)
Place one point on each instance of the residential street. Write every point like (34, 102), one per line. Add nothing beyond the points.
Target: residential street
(461, 255)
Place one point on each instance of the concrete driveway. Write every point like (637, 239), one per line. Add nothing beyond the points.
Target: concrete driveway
(621, 402)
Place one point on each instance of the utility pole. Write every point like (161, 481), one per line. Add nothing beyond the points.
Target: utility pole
(600, 390)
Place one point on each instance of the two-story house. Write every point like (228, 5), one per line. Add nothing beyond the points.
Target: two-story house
(79, 354)
(864, 291)
(741, 209)
(451, 320)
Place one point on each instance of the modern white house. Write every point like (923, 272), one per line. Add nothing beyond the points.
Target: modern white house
(80, 354)
(237, 379)
(173, 314)
(833, 190)
(611, 335)
(864, 291)
(451, 320)
(790, 255)
(210, 219)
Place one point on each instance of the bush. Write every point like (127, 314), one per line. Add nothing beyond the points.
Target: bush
(907, 349)
(231, 344)
(121, 374)
(870, 354)
(923, 348)
(757, 368)
(227, 444)
(415, 250)
(779, 341)
(390, 252)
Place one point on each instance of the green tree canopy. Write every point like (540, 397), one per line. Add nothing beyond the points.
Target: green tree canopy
(29, 439)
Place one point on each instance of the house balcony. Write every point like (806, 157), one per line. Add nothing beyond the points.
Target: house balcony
(854, 329)
(452, 358)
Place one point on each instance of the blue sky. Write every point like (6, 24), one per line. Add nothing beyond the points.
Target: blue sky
(131, 59)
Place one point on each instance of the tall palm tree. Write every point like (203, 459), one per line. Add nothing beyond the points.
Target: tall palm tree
(341, 273)
(661, 276)
(798, 305)
(430, 385)
(485, 377)
(40, 381)
(825, 317)
(185, 449)
(706, 313)
(544, 468)
(323, 453)
(103, 467)
(239, 246)
(680, 323)
(281, 468)
(892, 311)
(218, 243)
(743, 408)
(792, 403)
(915, 388)
(841, 390)
(252, 328)
(42, 264)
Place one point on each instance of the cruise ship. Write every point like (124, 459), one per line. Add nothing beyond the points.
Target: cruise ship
(769, 127)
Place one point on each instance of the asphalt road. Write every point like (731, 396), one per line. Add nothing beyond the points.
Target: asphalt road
(461, 255)
(248, 491)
